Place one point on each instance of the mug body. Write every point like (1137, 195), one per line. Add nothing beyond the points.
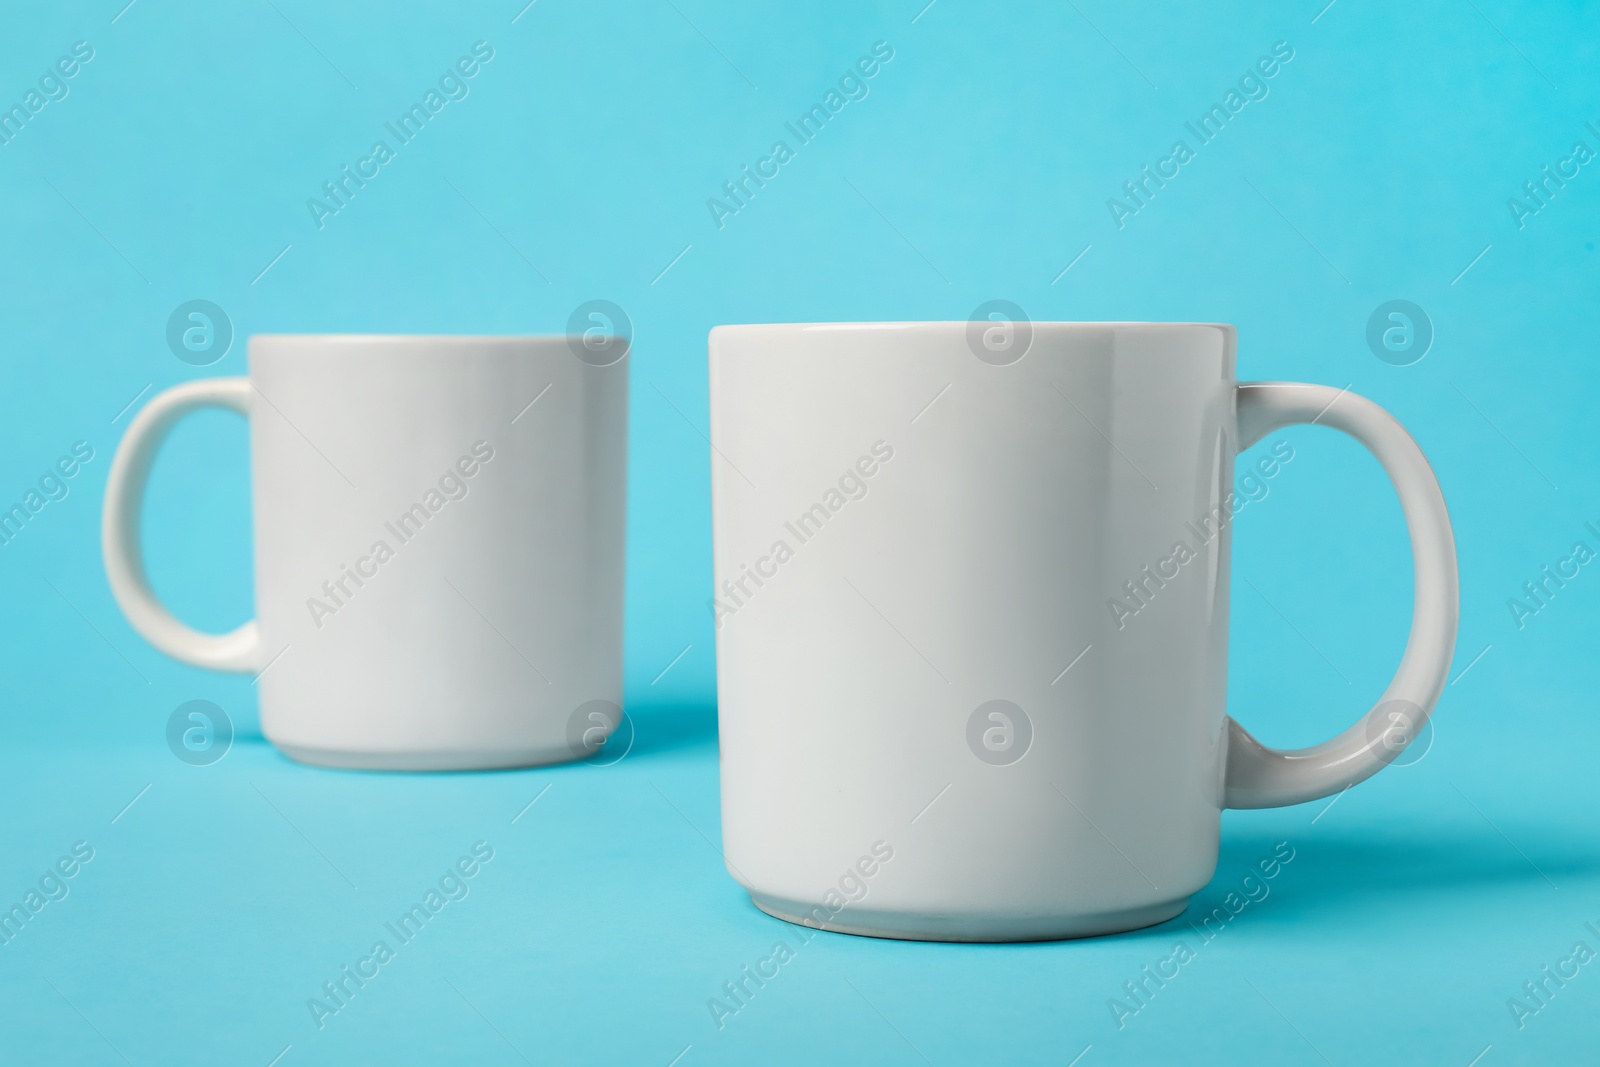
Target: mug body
(439, 548)
(971, 607)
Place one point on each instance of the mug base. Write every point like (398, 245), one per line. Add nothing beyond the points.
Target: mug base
(498, 760)
(911, 926)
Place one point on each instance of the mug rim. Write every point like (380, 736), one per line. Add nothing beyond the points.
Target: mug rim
(962, 324)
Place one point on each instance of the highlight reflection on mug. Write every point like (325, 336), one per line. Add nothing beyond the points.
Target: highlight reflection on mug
(999, 732)
(199, 733)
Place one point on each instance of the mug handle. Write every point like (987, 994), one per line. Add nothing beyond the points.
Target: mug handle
(239, 650)
(1262, 777)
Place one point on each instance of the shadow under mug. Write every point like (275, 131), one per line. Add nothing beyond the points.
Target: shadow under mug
(972, 619)
(438, 531)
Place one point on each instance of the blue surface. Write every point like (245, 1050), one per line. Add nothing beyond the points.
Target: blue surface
(1378, 167)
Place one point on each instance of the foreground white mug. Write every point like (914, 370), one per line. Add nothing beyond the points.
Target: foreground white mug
(972, 619)
(438, 545)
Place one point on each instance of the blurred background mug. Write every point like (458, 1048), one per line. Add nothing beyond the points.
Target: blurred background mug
(438, 545)
(972, 619)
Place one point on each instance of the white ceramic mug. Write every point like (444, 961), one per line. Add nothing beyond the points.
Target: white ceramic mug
(972, 617)
(438, 545)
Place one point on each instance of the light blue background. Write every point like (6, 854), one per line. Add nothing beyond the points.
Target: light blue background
(1378, 167)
